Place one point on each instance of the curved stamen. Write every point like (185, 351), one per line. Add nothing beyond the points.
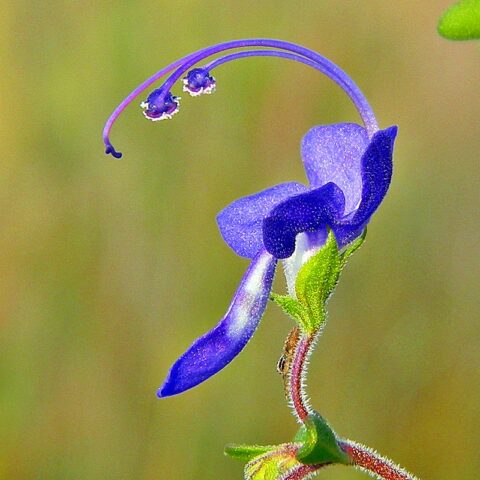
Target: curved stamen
(322, 64)
(259, 53)
(204, 72)
(184, 64)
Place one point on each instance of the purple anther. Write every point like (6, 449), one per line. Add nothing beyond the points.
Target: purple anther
(160, 105)
(198, 81)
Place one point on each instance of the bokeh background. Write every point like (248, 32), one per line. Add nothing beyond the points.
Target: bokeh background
(109, 269)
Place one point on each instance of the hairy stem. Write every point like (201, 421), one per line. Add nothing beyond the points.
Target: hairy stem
(300, 346)
(371, 462)
(297, 375)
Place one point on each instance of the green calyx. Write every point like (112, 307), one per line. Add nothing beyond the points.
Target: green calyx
(316, 281)
(319, 443)
(461, 21)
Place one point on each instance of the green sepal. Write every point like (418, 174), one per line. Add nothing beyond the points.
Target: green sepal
(319, 443)
(273, 464)
(461, 21)
(352, 248)
(316, 281)
(246, 452)
(293, 308)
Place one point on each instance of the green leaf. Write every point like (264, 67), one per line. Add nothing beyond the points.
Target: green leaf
(352, 248)
(319, 443)
(246, 452)
(293, 308)
(317, 279)
(461, 21)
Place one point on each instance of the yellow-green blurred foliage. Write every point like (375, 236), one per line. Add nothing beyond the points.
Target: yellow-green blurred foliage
(109, 269)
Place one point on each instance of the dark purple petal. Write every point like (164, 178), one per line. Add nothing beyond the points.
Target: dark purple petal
(376, 175)
(306, 212)
(377, 169)
(333, 153)
(240, 222)
(214, 350)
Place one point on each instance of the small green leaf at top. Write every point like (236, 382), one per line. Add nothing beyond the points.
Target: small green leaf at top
(246, 452)
(461, 21)
(317, 279)
(293, 308)
(319, 443)
(315, 282)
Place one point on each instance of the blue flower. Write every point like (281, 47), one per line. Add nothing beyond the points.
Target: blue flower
(349, 168)
(349, 175)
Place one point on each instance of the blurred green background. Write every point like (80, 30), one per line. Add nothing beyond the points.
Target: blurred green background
(109, 269)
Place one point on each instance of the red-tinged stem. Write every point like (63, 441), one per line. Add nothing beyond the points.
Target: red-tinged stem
(370, 461)
(362, 457)
(297, 375)
(303, 472)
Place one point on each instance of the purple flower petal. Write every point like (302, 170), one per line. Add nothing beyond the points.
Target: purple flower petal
(306, 212)
(240, 222)
(377, 169)
(333, 153)
(376, 175)
(214, 350)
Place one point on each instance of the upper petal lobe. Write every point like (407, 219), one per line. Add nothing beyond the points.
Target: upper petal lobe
(333, 153)
(377, 169)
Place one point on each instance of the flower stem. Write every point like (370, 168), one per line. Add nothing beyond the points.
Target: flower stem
(371, 462)
(362, 457)
(296, 377)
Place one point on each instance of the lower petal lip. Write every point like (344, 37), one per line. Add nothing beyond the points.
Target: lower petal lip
(218, 347)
